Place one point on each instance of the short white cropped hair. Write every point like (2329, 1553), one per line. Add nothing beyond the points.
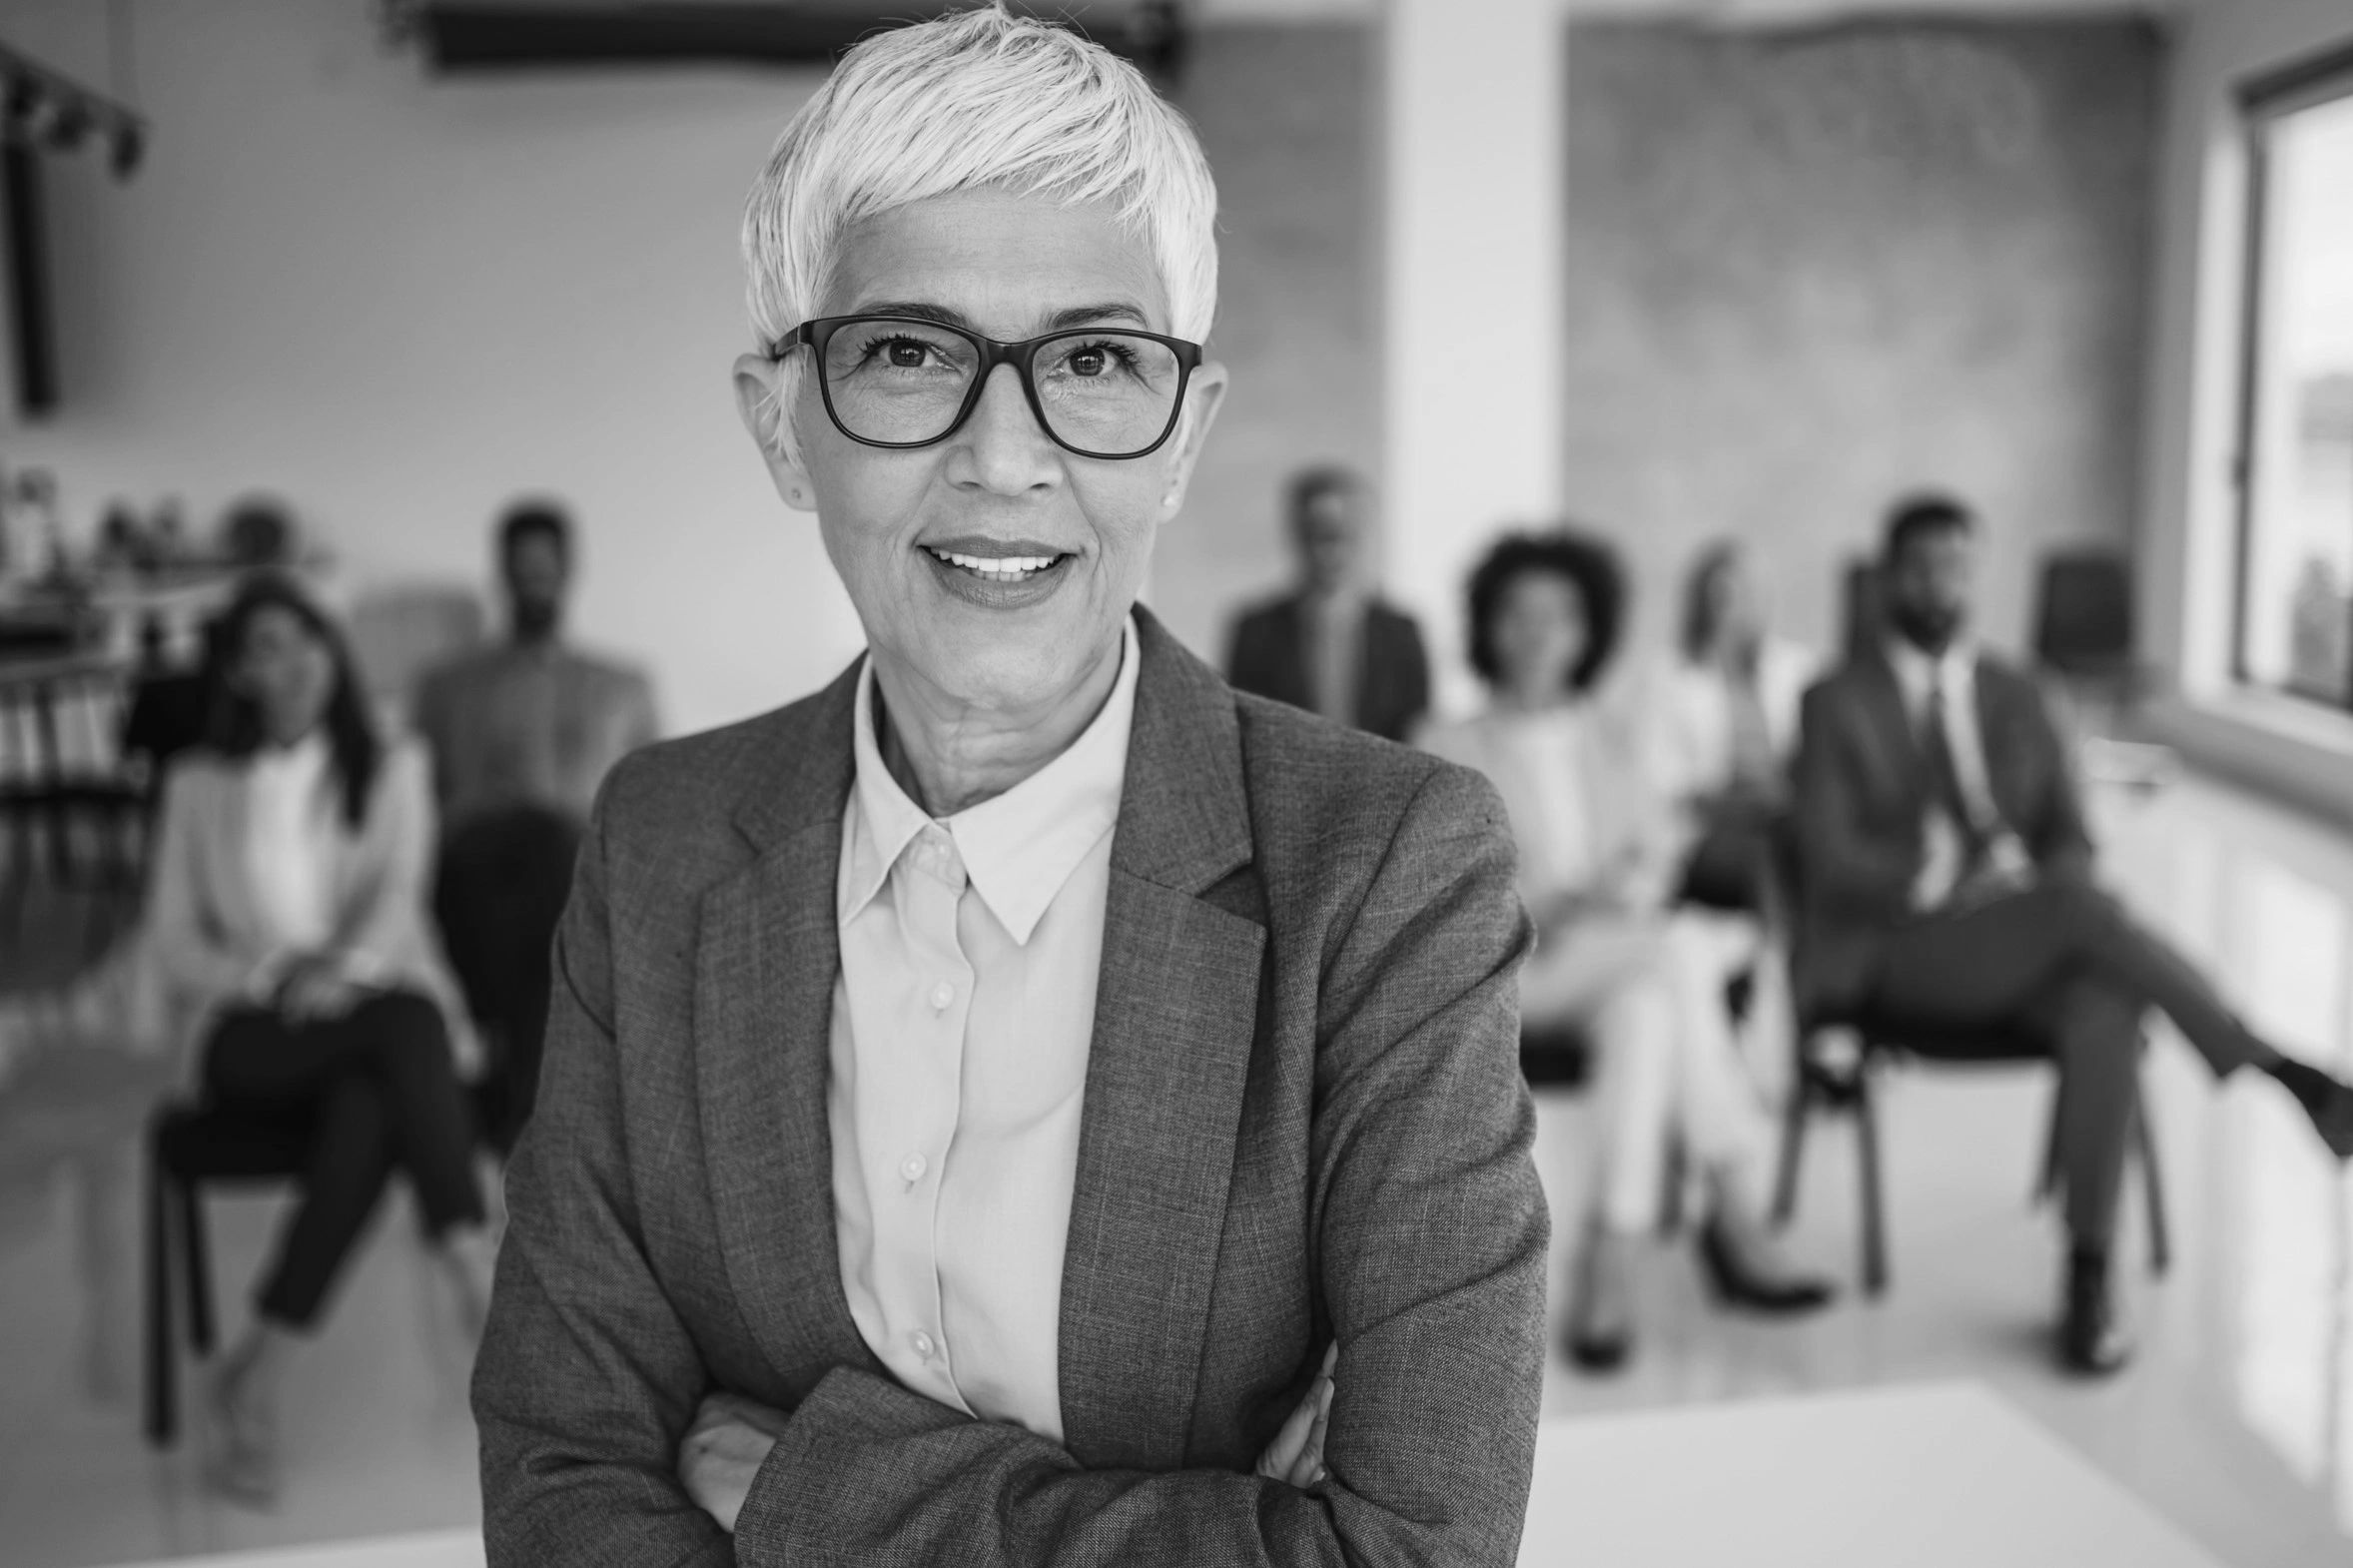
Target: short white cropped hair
(974, 98)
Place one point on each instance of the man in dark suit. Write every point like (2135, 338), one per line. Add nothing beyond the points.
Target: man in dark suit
(1949, 899)
(1333, 646)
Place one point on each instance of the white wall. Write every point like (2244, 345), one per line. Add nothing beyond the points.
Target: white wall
(1472, 205)
(2187, 539)
(401, 300)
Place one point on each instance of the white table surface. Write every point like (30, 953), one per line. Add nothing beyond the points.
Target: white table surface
(1937, 1475)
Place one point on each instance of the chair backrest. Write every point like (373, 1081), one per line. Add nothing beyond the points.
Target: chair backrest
(2083, 613)
(1862, 602)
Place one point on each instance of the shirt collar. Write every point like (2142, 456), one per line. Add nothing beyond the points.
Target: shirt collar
(1018, 848)
(1919, 673)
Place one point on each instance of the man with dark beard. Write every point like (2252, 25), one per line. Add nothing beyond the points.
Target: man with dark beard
(523, 733)
(1949, 902)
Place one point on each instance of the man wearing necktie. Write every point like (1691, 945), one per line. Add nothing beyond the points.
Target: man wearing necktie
(1948, 897)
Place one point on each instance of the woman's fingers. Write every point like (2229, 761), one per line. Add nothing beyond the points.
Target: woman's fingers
(1282, 1455)
(1310, 1467)
(1297, 1454)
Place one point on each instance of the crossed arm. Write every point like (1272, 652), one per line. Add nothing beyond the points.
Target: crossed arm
(1430, 1256)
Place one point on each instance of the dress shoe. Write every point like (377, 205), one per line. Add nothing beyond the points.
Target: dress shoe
(1600, 1333)
(2092, 1339)
(2329, 1102)
(1738, 1282)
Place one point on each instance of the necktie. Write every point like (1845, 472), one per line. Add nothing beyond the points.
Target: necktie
(1935, 743)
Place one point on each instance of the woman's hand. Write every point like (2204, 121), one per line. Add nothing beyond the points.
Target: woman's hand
(316, 989)
(723, 1451)
(1297, 1454)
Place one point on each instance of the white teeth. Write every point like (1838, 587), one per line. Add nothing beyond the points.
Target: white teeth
(1008, 566)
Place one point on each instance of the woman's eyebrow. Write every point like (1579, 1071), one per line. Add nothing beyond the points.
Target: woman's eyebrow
(1088, 315)
(914, 310)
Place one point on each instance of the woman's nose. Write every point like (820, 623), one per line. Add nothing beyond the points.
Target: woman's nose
(1009, 451)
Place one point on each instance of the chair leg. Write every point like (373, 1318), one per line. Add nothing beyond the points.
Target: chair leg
(1793, 1145)
(1875, 1219)
(2160, 1238)
(2046, 1181)
(200, 1271)
(162, 1364)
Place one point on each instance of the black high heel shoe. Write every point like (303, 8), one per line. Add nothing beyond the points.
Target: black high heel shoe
(1598, 1353)
(1735, 1285)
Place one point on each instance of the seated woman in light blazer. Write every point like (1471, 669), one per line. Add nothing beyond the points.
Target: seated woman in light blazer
(1639, 981)
(287, 917)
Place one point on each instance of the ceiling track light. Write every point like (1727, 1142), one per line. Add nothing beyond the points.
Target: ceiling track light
(50, 112)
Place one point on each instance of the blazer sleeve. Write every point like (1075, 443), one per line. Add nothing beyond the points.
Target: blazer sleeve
(1429, 1250)
(1843, 866)
(186, 945)
(389, 901)
(586, 1379)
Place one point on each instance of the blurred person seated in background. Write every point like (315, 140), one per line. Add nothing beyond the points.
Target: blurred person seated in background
(1332, 646)
(1723, 731)
(522, 735)
(1026, 1103)
(287, 915)
(1727, 730)
(1642, 985)
(1948, 898)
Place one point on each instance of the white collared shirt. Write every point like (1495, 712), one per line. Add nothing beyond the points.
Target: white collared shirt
(1954, 672)
(962, 1020)
(289, 843)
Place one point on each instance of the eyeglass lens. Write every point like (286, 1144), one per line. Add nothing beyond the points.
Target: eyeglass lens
(1107, 393)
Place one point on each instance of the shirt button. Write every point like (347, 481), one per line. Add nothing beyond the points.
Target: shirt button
(922, 1343)
(912, 1168)
(942, 995)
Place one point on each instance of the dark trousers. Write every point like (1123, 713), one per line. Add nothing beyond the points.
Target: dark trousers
(380, 1093)
(2061, 962)
(498, 892)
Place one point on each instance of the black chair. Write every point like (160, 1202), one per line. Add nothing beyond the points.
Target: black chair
(2083, 615)
(1834, 1086)
(189, 1147)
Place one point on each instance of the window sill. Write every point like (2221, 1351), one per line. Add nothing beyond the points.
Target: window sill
(2294, 752)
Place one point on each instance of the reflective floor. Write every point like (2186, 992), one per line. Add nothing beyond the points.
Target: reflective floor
(2236, 1422)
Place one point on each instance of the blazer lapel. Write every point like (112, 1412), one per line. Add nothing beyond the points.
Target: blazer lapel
(1176, 1016)
(1883, 697)
(767, 953)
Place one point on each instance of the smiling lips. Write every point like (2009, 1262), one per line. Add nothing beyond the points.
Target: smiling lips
(1006, 567)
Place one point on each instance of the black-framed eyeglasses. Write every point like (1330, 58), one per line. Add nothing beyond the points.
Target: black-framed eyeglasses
(898, 380)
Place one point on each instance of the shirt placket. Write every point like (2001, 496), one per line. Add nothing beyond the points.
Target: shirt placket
(929, 885)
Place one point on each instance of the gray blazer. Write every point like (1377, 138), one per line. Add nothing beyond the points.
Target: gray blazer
(1303, 1121)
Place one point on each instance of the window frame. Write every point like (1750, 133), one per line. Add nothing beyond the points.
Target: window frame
(2264, 99)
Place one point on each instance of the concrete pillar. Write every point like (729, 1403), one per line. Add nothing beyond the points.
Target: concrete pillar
(1473, 120)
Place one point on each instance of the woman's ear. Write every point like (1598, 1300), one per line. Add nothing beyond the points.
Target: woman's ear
(1202, 398)
(762, 394)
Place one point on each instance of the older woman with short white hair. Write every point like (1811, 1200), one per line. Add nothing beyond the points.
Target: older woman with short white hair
(1025, 1103)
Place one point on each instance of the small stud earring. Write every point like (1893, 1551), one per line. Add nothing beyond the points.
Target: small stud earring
(1168, 499)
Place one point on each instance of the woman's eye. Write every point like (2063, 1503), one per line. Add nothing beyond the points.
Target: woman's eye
(904, 355)
(1088, 362)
